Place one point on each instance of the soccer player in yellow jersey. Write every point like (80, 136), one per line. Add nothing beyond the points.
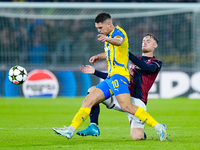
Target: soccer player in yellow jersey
(117, 56)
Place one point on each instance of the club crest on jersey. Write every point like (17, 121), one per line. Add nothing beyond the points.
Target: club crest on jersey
(148, 61)
(107, 48)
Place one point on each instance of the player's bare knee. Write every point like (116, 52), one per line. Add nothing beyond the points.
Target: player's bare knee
(88, 102)
(137, 134)
(91, 89)
(136, 138)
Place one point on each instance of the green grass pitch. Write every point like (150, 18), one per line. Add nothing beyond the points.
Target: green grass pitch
(27, 124)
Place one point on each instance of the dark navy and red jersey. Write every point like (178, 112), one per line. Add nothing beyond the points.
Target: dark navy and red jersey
(143, 76)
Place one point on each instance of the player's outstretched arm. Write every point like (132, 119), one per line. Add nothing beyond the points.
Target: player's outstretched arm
(87, 69)
(153, 67)
(90, 70)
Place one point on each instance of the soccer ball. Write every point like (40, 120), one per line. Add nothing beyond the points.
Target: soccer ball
(17, 75)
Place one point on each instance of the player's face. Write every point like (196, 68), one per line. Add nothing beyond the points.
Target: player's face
(148, 44)
(102, 28)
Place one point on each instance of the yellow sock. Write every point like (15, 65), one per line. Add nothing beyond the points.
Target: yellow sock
(80, 116)
(145, 117)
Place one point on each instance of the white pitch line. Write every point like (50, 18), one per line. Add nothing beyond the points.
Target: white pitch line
(168, 127)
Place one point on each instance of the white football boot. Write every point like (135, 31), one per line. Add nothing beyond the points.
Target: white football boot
(64, 132)
(161, 131)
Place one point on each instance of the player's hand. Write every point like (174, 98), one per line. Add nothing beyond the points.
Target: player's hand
(93, 59)
(87, 69)
(102, 37)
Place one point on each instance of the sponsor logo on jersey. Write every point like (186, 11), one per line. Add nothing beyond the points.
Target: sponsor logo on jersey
(41, 83)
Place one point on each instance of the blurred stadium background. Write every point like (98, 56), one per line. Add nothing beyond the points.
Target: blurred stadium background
(62, 37)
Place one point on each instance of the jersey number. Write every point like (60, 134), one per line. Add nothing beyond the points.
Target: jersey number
(115, 83)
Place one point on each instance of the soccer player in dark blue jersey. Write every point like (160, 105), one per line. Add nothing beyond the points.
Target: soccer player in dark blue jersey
(143, 72)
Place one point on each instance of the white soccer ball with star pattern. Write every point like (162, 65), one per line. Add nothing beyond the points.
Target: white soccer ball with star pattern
(17, 75)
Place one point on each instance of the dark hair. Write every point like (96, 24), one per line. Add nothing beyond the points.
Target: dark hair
(100, 18)
(152, 36)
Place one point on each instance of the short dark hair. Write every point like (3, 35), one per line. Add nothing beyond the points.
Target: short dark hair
(152, 36)
(100, 18)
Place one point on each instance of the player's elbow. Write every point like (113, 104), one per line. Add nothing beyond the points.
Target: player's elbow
(119, 43)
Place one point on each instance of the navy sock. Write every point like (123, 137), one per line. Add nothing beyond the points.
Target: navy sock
(94, 114)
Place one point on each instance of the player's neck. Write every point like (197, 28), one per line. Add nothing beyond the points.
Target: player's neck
(149, 54)
(112, 28)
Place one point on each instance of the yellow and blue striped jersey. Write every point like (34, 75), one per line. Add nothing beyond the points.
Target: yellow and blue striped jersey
(117, 56)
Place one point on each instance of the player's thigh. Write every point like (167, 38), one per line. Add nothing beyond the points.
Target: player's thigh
(97, 95)
(104, 87)
(94, 97)
(124, 98)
